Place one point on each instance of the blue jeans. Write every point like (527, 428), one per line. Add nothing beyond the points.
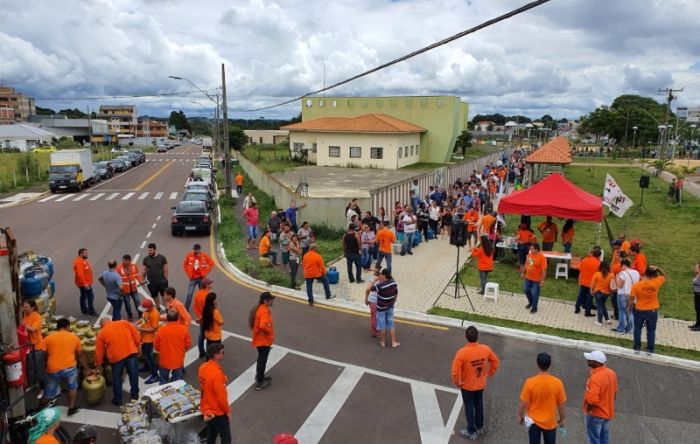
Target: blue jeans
(380, 256)
(625, 318)
(116, 308)
(87, 298)
(354, 259)
(598, 429)
(532, 291)
(52, 386)
(483, 279)
(366, 258)
(648, 318)
(567, 247)
(310, 287)
(272, 254)
(131, 364)
(407, 242)
(166, 375)
(196, 282)
(602, 310)
(147, 352)
(583, 298)
(414, 203)
(127, 305)
(536, 433)
(473, 409)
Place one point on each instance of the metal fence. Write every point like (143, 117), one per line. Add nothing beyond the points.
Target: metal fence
(386, 196)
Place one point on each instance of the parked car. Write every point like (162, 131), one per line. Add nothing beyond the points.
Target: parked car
(96, 177)
(162, 148)
(198, 186)
(119, 165)
(199, 195)
(127, 161)
(104, 169)
(190, 217)
(135, 158)
(140, 154)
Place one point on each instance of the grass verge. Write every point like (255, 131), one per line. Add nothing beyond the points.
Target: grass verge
(270, 158)
(560, 332)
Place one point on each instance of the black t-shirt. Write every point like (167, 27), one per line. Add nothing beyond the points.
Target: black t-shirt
(352, 245)
(154, 268)
(372, 222)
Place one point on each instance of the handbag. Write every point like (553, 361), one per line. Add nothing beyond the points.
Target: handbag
(613, 283)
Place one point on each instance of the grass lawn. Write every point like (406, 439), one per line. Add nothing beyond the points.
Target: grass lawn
(668, 240)
(562, 333)
(270, 158)
(586, 159)
(480, 150)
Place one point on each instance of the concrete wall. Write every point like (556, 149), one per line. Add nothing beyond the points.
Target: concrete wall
(267, 136)
(328, 211)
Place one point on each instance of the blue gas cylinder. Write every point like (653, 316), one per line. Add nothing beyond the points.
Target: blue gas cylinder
(333, 275)
(52, 285)
(30, 285)
(48, 263)
(399, 237)
(430, 235)
(417, 238)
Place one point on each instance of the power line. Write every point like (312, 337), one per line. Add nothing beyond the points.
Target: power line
(414, 53)
(134, 96)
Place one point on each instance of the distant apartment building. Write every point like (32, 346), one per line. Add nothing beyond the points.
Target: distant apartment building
(689, 114)
(21, 106)
(121, 121)
(151, 128)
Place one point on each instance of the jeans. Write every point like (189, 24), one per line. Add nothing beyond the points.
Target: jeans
(272, 254)
(474, 409)
(131, 364)
(582, 300)
(625, 318)
(483, 277)
(166, 375)
(381, 255)
(366, 258)
(190, 290)
(147, 352)
(532, 291)
(310, 287)
(219, 426)
(200, 340)
(135, 297)
(600, 299)
(407, 242)
(697, 309)
(648, 318)
(354, 259)
(293, 270)
(598, 429)
(547, 246)
(239, 190)
(522, 253)
(87, 297)
(116, 308)
(414, 203)
(263, 353)
(567, 247)
(535, 432)
(373, 318)
(613, 302)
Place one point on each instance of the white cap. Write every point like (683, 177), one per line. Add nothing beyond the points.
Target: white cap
(595, 355)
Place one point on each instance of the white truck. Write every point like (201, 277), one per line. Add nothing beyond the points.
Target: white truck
(206, 144)
(70, 170)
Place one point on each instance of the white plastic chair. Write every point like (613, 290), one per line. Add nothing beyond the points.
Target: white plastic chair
(562, 270)
(491, 291)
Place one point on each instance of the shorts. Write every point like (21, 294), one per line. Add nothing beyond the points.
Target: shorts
(52, 388)
(385, 319)
(472, 234)
(252, 231)
(285, 257)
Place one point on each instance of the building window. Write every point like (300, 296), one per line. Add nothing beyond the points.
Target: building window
(261, 140)
(314, 148)
(298, 147)
(417, 149)
(309, 103)
(411, 150)
(355, 152)
(424, 102)
(321, 103)
(440, 103)
(405, 151)
(377, 152)
(400, 152)
(334, 103)
(333, 151)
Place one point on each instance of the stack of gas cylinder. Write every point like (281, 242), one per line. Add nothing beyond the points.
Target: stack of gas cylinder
(36, 282)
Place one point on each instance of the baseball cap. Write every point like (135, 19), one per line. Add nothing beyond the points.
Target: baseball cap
(146, 304)
(266, 296)
(284, 438)
(595, 355)
(196, 247)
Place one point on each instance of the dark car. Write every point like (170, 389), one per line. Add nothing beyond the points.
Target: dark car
(126, 160)
(104, 169)
(190, 217)
(119, 165)
(199, 195)
(135, 158)
(139, 154)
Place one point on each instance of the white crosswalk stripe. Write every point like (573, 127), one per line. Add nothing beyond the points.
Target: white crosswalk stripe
(158, 196)
(143, 195)
(62, 198)
(48, 198)
(127, 196)
(173, 195)
(81, 197)
(97, 196)
(112, 196)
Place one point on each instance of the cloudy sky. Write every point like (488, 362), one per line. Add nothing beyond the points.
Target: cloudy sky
(563, 58)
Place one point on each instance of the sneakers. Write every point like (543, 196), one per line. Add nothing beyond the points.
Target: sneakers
(608, 321)
(331, 297)
(597, 323)
(151, 379)
(528, 306)
(72, 411)
(533, 311)
(261, 385)
(577, 310)
(470, 436)
(479, 432)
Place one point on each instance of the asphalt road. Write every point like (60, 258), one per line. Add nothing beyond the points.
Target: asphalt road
(331, 382)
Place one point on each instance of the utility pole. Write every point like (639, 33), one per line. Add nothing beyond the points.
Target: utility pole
(217, 146)
(669, 99)
(227, 149)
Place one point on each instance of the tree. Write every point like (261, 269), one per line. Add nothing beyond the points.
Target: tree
(464, 141)
(200, 126)
(74, 113)
(179, 120)
(236, 137)
(44, 111)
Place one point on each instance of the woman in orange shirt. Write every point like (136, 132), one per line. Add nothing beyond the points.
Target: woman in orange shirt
(212, 320)
(484, 260)
(567, 235)
(524, 238)
(600, 289)
(31, 319)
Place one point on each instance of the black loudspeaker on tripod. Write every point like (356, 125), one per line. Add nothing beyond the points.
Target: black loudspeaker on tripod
(644, 181)
(458, 233)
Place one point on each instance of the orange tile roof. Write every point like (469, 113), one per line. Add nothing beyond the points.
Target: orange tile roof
(557, 151)
(367, 123)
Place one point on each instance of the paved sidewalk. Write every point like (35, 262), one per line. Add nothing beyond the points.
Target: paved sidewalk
(423, 276)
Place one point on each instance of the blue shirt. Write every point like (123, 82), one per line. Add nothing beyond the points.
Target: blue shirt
(112, 282)
(291, 214)
(468, 200)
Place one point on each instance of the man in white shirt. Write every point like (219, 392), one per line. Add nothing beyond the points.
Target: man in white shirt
(624, 280)
(409, 230)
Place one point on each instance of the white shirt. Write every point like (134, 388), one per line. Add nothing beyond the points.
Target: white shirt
(434, 213)
(630, 276)
(409, 223)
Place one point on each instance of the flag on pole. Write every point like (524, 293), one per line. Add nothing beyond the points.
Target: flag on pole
(614, 198)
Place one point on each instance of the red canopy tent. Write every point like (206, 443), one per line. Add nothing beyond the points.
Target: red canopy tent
(554, 196)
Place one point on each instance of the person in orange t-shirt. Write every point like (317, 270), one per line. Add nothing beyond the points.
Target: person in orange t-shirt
(484, 260)
(148, 325)
(199, 297)
(542, 397)
(260, 321)
(239, 184)
(120, 341)
(315, 269)
(645, 297)
(487, 222)
(82, 270)
(533, 274)
(469, 373)
(172, 341)
(384, 239)
(549, 233)
(589, 265)
(639, 259)
(171, 303)
(265, 247)
(214, 404)
(567, 235)
(600, 290)
(471, 217)
(523, 238)
(31, 319)
(212, 320)
(599, 398)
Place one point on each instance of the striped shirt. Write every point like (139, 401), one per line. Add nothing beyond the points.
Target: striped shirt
(386, 294)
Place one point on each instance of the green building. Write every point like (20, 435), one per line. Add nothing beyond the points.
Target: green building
(444, 117)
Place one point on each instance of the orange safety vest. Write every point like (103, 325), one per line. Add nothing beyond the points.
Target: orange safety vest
(131, 278)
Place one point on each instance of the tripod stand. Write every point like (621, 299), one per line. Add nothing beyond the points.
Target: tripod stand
(458, 282)
(639, 208)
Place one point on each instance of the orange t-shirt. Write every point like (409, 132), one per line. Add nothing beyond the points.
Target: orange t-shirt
(487, 223)
(469, 370)
(82, 270)
(483, 261)
(150, 319)
(524, 236)
(549, 233)
(264, 246)
(535, 267)
(542, 394)
(313, 265)
(385, 238)
(471, 217)
(119, 339)
(263, 328)
(640, 263)
(567, 236)
(589, 265)
(172, 341)
(61, 347)
(198, 305)
(212, 383)
(646, 293)
(184, 316)
(33, 320)
(214, 332)
(47, 439)
(616, 268)
(625, 246)
(600, 283)
(239, 180)
(601, 388)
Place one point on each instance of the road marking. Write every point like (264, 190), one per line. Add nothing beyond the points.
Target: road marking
(135, 261)
(108, 420)
(97, 196)
(242, 383)
(173, 195)
(159, 216)
(158, 196)
(112, 196)
(322, 416)
(430, 424)
(150, 179)
(143, 244)
(81, 197)
(48, 198)
(143, 195)
(127, 196)
(149, 234)
(62, 198)
(154, 226)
